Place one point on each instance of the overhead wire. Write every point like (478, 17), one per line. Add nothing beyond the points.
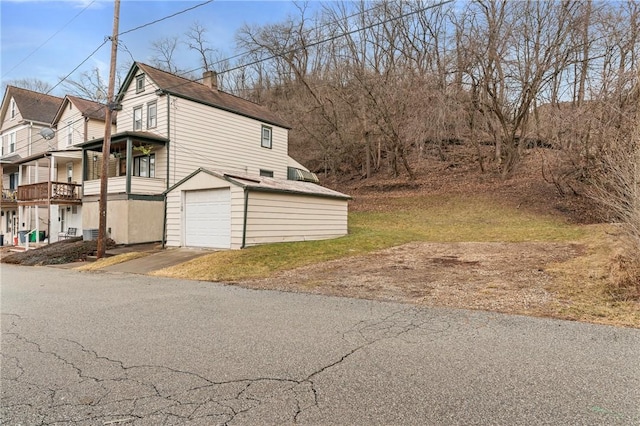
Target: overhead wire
(270, 57)
(48, 40)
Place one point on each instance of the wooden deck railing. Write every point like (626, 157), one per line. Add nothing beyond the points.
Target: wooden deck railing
(56, 191)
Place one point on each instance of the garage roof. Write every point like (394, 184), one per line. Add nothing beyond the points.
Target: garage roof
(267, 184)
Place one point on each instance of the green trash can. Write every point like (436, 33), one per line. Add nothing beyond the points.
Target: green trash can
(32, 237)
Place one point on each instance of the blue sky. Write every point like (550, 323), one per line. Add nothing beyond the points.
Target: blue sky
(79, 27)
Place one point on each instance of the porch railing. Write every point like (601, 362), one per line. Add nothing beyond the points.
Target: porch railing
(56, 191)
(9, 195)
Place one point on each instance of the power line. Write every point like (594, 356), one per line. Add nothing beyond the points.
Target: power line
(165, 18)
(48, 40)
(313, 44)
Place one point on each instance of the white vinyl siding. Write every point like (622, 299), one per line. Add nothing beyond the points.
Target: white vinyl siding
(132, 100)
(95, 129)
(219, 140)
(278, 217)
(271, 217)
(175, 208)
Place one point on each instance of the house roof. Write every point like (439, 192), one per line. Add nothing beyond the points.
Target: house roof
(87, 108)
(266, 184)
(197, 92)
(33, 106)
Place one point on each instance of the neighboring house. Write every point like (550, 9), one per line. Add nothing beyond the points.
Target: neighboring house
(169, 128)
(23, 115)
(76, 121)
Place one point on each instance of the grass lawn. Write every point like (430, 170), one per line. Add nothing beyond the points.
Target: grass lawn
(428, 218)
(581, 286)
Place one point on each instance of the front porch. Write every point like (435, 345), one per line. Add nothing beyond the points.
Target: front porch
(44, 193)
(136, 166)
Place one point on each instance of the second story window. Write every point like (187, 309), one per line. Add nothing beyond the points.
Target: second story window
(266, 137)
(69, 132)
(69, 172)
(152, 115)
(140, 83)
(137, 118)
(12, 143)
(13, 109)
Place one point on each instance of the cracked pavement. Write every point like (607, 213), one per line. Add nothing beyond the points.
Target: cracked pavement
(113, 348)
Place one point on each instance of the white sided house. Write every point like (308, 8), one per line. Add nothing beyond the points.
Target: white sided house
(171, 132)
(216, 210)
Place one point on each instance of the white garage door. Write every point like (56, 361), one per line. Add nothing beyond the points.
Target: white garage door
(208, 218)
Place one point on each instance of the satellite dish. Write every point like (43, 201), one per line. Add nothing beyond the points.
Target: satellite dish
(47, 133)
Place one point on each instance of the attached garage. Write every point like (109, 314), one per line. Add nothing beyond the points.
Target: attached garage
(216, 210)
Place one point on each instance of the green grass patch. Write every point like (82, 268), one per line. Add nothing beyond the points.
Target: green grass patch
(408, 219)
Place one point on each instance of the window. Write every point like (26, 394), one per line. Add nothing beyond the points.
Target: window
(137, 118)
(69, 132)
(140, 83)
(266, 137)
(145, 166)
(13, 109)
(12, 142)
(266, 173)
(13, 181)
(69, 172)
(151, 115)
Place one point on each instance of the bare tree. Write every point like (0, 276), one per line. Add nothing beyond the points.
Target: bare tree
(89, 85)
(30, 83)
(197, 41)
(164, 49)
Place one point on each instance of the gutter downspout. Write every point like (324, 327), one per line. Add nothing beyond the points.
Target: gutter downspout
(244, 222)
(168, 146)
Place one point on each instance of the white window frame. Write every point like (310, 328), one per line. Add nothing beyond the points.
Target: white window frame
(266, 140)
(137, 123)
(140, 83)
(13, 109)
(15, 177)
(69, 172)
(69, 132)
(11, 145)
(152, 115)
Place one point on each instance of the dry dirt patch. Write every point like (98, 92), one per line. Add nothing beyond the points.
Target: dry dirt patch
(504, 277)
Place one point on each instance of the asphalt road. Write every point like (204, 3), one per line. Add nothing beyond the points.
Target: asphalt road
(114, 348)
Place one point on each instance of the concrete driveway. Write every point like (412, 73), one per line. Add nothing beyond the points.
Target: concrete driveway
(115, 348)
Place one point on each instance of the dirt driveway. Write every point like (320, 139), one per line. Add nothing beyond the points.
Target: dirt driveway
(505, 277)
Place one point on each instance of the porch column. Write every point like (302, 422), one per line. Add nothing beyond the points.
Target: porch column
(129, 164)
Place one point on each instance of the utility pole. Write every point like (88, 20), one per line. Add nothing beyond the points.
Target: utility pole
(106, 143)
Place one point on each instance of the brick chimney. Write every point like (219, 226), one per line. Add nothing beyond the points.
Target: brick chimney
(210, 79)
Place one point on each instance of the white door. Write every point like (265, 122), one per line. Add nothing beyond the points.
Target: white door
(208, 218)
